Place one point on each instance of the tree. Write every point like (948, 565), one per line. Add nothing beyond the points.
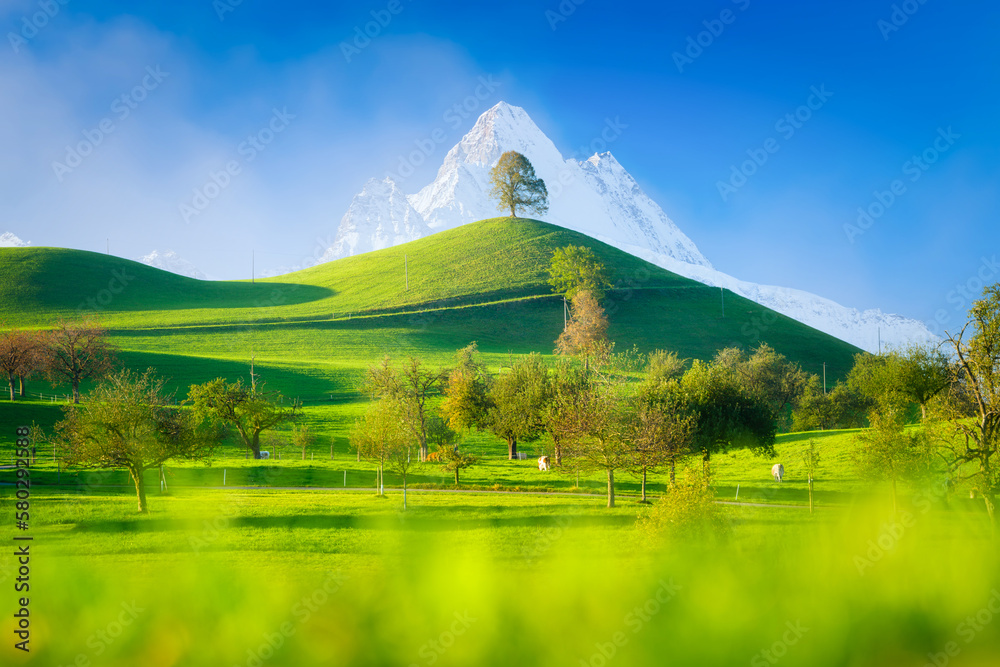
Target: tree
(586, 334)
(974, 441)
(22, 354)
(128, 422)
(454, 460)
(767, 374)
(923, 373)
(14, 351)
(466, 391)
(885, 451)
(842, 407)
(915, 374)
(515, 185)
(303, 438)
(79, 351)
(728, 415)
(400, 462)
(593, 431)
(567, 386)
(659, 428)
(36, 360)
(411, 388)
(517, 400)
(379, 435)
(251, 410)
(576, 269)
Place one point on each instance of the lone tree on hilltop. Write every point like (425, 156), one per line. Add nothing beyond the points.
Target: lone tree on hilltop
(515, 185)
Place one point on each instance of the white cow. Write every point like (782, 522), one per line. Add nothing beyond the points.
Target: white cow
(778, 471)
(265, 455)
(543, 463)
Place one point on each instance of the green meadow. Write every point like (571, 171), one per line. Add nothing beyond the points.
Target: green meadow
(296, 561)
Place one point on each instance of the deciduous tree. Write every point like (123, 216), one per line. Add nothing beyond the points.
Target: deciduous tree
(250, 410)
(78, 351)
(586, 334)
(887, 452)
(659, 427)
(379, 435)
(594, 434)
(514, 185)
(767, 374)
(466, 391)
(974, 442)
(128, 421)
(576, 269)
(517, 400)
(728, 415)
(410, 388)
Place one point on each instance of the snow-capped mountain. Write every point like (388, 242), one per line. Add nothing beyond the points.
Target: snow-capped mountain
(171, 261)
(9, 240)
(380, 216)
(596, 197)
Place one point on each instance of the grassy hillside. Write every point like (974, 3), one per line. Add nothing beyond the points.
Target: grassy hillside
(314, 331)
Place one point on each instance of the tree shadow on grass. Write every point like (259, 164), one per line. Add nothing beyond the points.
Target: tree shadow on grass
(343, 521)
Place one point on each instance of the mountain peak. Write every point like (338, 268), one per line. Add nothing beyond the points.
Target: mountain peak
(501, 128)
(596, 196)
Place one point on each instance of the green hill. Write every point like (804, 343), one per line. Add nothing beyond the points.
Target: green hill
(316, 330)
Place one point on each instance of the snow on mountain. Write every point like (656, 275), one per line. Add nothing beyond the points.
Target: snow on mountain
(869, 329)
(380, 216)
(9, 240)
(596, 197)
(171, 261)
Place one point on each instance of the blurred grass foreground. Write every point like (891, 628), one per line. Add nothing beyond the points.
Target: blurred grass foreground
(254, 577)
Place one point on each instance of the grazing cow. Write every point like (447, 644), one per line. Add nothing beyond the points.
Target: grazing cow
(433, 456)
(778, 471)
(265, 455)
(543, 463)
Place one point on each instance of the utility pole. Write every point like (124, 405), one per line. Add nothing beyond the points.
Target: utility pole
(406, 271)
(253, 377)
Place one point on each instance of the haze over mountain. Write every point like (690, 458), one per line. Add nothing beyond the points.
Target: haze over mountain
(597, 197)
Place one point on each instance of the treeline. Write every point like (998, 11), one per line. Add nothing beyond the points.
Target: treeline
(590, 414)
(72, 352)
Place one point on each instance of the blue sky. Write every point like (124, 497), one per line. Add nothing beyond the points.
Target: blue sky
(898, 80)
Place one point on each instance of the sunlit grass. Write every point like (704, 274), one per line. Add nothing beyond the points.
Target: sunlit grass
(544, 580)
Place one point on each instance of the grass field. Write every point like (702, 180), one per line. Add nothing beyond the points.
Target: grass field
(314, 331)
(296, 561)
(233, 577)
